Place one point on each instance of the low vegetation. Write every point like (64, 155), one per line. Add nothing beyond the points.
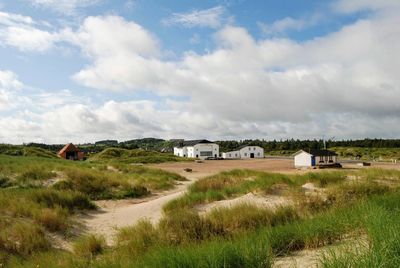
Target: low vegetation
(120, 155)
(40, 197)
(346, 205)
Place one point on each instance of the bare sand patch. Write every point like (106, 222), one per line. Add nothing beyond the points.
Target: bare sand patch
(269, 201)
(311, 258)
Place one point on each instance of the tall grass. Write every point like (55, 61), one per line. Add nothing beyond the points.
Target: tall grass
(232, 183)
(99, 185)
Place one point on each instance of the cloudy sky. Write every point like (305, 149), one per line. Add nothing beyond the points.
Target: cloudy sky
(85, 70)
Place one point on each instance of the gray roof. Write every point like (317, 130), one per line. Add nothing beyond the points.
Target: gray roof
(323, 152)
(193, 143)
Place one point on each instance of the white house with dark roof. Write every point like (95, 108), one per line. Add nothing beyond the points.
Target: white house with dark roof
(245, 152)
(315, 158)
(201, 149)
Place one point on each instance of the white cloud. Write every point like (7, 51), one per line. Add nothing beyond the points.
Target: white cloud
(212, 17)
(350, 6)
(11, 19)
(289, 24)
(23, 33)
(9, 86)
(344, 84)
(268, 82)
(28, 38)
(67, 7)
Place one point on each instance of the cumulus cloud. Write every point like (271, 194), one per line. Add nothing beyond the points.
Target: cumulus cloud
(24, 33)
(212, 17)
(344, 84)
(9, 86)
(245, 80)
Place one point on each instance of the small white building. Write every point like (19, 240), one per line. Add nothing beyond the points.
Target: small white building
(244, 152)
(314, 158)
(201, 149)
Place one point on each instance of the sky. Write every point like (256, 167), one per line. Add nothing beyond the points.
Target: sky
(87, 70)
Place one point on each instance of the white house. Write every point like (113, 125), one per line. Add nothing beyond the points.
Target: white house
(201, 149)
(247, 151)
(314, 158)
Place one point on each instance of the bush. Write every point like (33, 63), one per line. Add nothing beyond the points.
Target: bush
(5, 182)
(249, 217)
(184, 226)
(21, 238)
(99, 185)
(52, 219)
(89, 246)
(137, 239)
(35, 173)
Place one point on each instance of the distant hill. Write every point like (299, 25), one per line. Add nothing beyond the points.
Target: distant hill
(134, 156)
(21, 150)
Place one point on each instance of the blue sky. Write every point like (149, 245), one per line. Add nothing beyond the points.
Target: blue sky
(228, 69)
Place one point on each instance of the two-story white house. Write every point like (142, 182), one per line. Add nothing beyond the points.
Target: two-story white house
(244, 152)
(201, 149)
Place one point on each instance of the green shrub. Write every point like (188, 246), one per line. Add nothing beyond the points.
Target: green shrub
(184, 226)
(137, 239)
(249, 217)
(35, 173)
(21, 238)
(89, 246)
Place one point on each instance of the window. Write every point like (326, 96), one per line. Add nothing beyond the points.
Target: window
(206, 153)
(245, 154)
(254, 148)
(249, 148)
(258, 154)
(229, 155)
(235, 155)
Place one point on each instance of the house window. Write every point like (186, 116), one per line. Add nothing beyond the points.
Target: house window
(206, 153)
(236, 155)
(258, 154)
(249, 148)
(245, 154)
(229, 155)
(254, 148)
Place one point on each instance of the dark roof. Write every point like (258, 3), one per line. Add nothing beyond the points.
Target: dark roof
(192, 142)
(321, 152)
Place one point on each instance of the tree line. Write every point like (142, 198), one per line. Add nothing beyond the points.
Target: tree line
(228, 145)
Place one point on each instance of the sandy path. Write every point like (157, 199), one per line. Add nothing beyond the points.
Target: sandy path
(114, 214)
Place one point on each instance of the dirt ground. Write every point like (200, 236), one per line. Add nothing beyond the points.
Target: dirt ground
(280, 165)
(211, 167)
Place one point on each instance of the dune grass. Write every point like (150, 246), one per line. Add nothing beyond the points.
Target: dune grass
(113, 155)
(229, 184)
(239, 236)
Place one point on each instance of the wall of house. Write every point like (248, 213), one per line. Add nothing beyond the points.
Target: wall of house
(205, 150)
(302, 159)
(231, 155)
(181, 152)
(248, 150)
(201, 151)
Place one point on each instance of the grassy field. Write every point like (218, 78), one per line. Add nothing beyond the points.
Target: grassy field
(41, 196)
(353, 204)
